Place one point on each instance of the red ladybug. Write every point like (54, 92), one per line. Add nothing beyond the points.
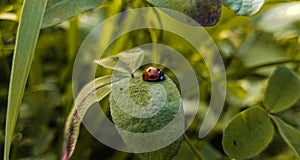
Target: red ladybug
(153, 74)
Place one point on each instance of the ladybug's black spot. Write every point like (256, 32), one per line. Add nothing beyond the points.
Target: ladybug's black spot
(234, 143)
(152, 76)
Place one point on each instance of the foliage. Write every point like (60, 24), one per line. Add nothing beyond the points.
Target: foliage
(144, 95)
(27, 35)
(255, 129)
(248, 133)
(91, 93)
(283, 90)
(260, 51)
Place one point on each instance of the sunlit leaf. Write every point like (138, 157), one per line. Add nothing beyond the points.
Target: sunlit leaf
(281, 19)
(289, 134)
(205, 12)
(283, 90)
(8, 16)
(247, 134)
(244, 7)
(27, 36)
(90, 93)
(59, 11)
(141, 108)
(244, 92)
(127, 61)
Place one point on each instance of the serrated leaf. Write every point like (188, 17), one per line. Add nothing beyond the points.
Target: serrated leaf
(144, 107)
(248, 133)
(59, 11)
(90, 93)
(126, 62)
(283, 90)
(244, 7)
(289, 134)
(27, 37)
(205, 12)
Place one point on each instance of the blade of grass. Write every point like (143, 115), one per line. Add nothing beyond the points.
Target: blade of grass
(27, 36)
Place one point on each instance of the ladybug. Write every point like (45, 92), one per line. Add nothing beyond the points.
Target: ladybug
(153, 74)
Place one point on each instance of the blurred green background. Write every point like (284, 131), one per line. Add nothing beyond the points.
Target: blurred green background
(251, 46)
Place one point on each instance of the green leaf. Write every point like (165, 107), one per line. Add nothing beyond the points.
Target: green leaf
(244, 7)
(248, 133)
(59, 11)
(141, 108)
(90, 93)
(126, 62)
(283, 90)
(281, 19)
(27, 36)
(166, 153)
(205, 12)
(289, 134)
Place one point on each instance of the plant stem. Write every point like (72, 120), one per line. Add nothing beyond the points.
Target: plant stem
(73, 37)
(73, 43)
(193, 147)
(245, 71)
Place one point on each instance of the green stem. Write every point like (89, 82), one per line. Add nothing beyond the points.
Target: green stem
(73, 37)
(193, 147)
(246, 71)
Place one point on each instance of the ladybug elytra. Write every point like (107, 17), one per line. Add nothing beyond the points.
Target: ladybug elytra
(153, 74)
